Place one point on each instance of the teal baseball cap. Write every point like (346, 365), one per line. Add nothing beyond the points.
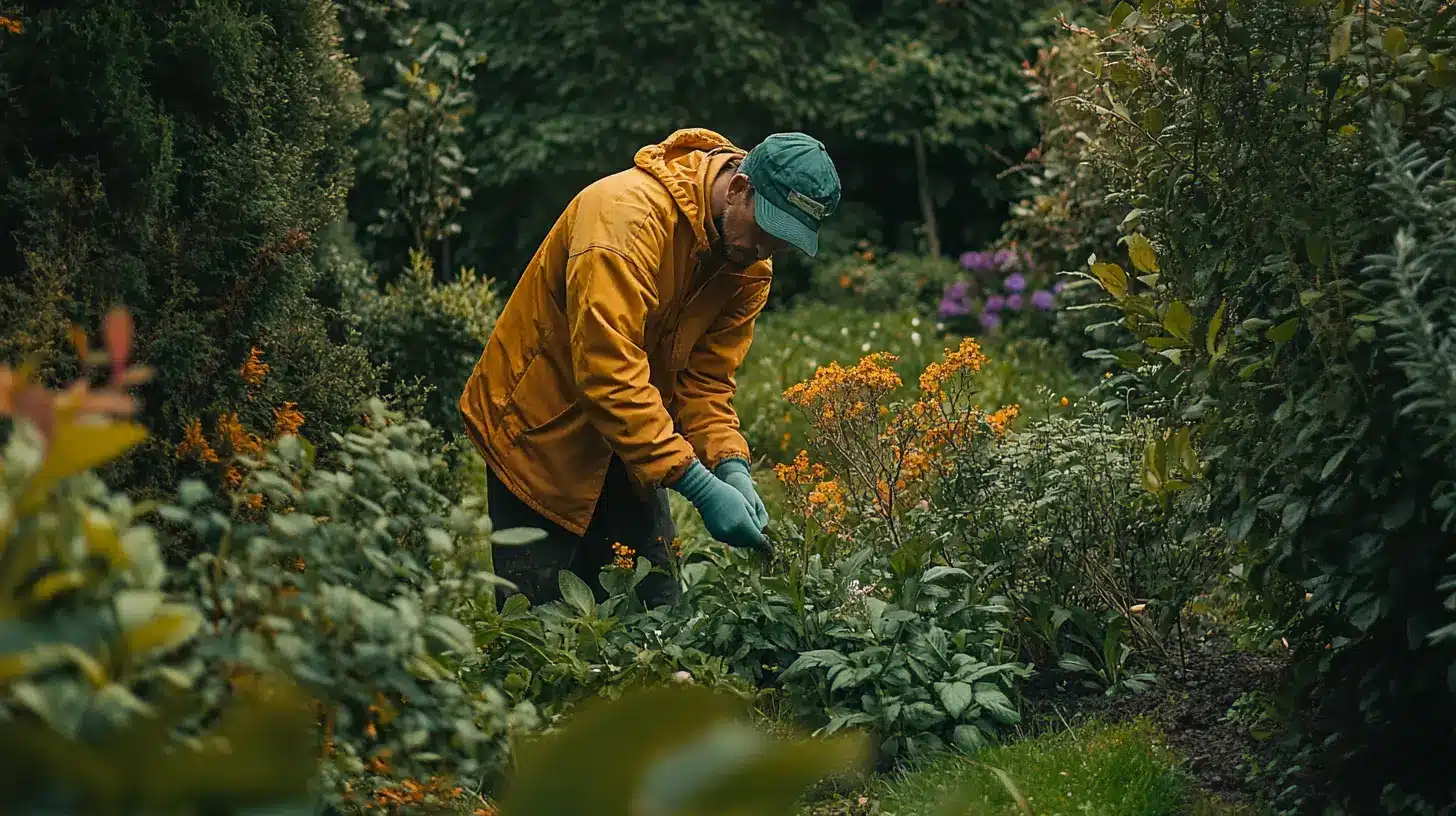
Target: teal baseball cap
(795, 187)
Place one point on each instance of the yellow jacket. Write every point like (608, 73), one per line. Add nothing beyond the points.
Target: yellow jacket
(623, 335)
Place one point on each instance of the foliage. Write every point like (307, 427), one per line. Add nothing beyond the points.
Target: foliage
(921, 665)
(196, 201)
(412, 164)
(877, 281)
(1286, 162)
(1070, 508)
(351, 582)
(573, 91)
(423, 333)
(1067, 212)
(672, 750)
(99, 686)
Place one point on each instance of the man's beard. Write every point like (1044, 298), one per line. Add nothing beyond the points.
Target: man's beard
(737, 255)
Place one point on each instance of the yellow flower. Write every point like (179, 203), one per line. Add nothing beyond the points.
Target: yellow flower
(195, 444)
(1065, 402)
(625, 556)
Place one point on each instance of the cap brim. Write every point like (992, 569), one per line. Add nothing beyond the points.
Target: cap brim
(773, 220)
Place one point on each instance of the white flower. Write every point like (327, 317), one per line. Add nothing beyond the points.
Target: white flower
(875, 325)
(683, 676)
(844, 331)
(915, 321)
(865, 347)
(915, 338)
(940, 327)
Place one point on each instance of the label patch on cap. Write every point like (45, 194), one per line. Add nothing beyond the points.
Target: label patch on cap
(807, 204)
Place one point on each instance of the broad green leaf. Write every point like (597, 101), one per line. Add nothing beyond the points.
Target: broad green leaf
(1394, 41)
(1178, 320)
(672, 750)
(1317, 248)
(969, 738)
(955, 697)
(576, 593)
(451, 633)
(1112, 277)
(1120, 13)
(1284, 332)
(1141, 250)
(171, 626)
(997, 704)
(47, 657)
(75, 449)
(1076, 663)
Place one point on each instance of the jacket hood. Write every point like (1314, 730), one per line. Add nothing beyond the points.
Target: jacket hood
(686, 163)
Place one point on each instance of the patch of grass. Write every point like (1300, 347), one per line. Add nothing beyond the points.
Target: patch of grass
(1094, 770)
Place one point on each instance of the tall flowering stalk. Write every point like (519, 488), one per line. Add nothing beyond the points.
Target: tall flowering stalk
(884, 456)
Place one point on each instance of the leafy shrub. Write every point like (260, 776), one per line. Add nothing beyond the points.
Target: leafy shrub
(878, 281)
(195, 201)
(99, 675)
(351, 582)
(424, 334)
(1292, 231)
(1075, 507)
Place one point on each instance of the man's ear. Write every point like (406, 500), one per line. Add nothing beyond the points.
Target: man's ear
(738, 188)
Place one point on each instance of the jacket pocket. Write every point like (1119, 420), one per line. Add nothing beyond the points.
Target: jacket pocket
(539, 397)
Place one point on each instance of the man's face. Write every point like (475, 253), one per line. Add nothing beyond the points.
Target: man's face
(744, 241)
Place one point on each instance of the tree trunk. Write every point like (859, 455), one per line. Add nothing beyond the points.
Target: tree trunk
(927, 200)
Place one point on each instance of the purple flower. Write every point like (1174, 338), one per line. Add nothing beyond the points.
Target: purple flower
(989, 320)
(950, 307)
(1004, 259)
(960, 290)
(1014, 302)
(1043, 300)
(1059, 286)
(971, 260)
(1014, 282)
(995, 303)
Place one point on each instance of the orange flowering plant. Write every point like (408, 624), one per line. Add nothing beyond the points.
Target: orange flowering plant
(875, 459)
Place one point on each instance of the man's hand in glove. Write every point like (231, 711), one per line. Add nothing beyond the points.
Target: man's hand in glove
(735, 473)
(726, 513)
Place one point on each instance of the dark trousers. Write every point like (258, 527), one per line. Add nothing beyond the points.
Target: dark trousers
(624, 515)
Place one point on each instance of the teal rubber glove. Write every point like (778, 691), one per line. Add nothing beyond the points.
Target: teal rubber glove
(735, 473)
(725, 512)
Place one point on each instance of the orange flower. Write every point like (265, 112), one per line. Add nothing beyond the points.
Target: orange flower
(254, 502)
(1002, 418)
(287, 420)
(844, 281)
(1064, 402)
(240, 442)
(11, 24)
(195, 444)
(254, 369)
(625, 557)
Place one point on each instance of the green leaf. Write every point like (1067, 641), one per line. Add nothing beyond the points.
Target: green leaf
(74, 449)
(576, 593)
(955, 697)
(673, 750)
(517, 537)
(1153, 120)
(1294, 514)
(1178, 320)
(169, 627)
(1394, 41)
(1120, 13)
(1284, 332)
(1242, 523)
(1215, 325)
(1112, 277)
(1317, 248)
(969, 738)
(1143, 255)
(995, 701)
